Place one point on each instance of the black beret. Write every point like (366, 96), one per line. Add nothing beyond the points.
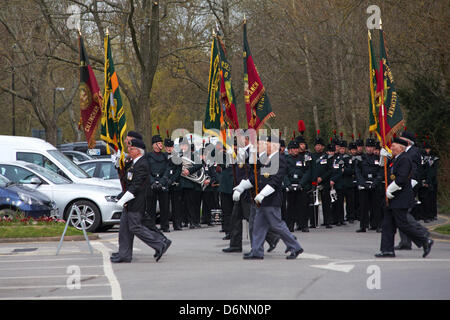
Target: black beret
(400, 141)
(137, 143)
(409, 136)
(135, 135)
(156, 138)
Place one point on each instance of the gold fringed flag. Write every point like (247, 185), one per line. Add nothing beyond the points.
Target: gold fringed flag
(90, 97)
(114, 123)
(257, 102)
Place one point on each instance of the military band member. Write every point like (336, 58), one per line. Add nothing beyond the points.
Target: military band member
(337, 182)
(351, 188)
(431, 162)
(321, 175)
(175, 191)
(369, 174)
(401, 199)
(159, 189)
(211, 180)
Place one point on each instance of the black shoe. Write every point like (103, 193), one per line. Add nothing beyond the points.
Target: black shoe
(372, 228)
(115, 254)
(343, 224)
(351, 221)
(227, 237)
(312, 226)
(427, 247)
(272, 246)
(117, 259)
(232, 249)
(378, 230)
(247, 253)
(305, 230)
(385, 255)
(177, 229)
(166, 230)
(191, 226)
(198, 226)
(159, 254)
(402, 247)
(294, 254)
(361, 230)
(329, 226)
(251, 257)
(339, 224)
(427, 220)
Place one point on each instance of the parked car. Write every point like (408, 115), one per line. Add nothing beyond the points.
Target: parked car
(100, 168)
(97, 204)
(44, 154)
(16, 199)
(99, 150)
(76, 156)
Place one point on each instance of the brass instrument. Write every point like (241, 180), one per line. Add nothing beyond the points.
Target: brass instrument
(333, 195)
(198, 176)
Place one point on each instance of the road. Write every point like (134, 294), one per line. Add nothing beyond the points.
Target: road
(337, 264)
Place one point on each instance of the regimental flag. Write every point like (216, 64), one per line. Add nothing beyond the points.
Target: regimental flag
(90, 97)
(257, 102)
(213, 109)
(393, 116)
(227, 97)
(373, 109)
(114, 123)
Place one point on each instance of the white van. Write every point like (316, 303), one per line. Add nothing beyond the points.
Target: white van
(42, 153)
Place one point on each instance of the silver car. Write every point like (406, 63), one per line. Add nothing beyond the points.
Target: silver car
(97, 204)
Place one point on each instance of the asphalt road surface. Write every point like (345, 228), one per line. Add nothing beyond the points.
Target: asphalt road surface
(337, 264)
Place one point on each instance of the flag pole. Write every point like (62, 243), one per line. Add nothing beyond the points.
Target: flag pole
(383, 129)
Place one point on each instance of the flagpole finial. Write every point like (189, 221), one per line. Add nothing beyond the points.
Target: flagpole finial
(381, 24)
(245, 20)
(214, 32)
(107, 31)
(79, 31)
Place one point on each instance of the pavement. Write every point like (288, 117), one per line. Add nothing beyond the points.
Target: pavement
(337, 263)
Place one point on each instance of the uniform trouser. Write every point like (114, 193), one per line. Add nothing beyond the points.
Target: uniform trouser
(401, 219)
(357, 198)
(338, 207)
(226, 202)
(207, 206)
(297, 209)
(405, 240)
(130, 226)
(434, 200)
(270, 218)
(369, 202)
(349, 195)
(284, 213)
(176, 197)
(192, 201)
(163, 198)
(425, 197)
(241, 210)
(271, 237)
(326, 206)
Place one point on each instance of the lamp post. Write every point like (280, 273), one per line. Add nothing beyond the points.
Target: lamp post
(13, 97)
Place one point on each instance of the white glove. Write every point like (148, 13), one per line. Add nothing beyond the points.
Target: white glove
(266, 191)
(391, 189)
(381, 162)
(413, 183)
(244, 185)
(385, 153)
(125, 198)
(115, 158)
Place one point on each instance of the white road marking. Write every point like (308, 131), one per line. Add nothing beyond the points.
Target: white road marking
(312, 256)
(116, 292)
(335, 267)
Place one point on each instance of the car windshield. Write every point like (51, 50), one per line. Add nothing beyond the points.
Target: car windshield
(68, 164)
(3, 181)
(48, 174)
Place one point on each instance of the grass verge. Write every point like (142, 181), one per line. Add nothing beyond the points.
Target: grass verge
(445, 229)
(37, 231)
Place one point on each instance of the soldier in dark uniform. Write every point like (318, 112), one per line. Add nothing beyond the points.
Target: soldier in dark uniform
(191, 190)
(159, 189)
(430, 183)
(268, 203)
(175, 191)
(321, 175)
(350, 185)
(208, 200)
(369, 174)
(226, 189)
(296, 183)
(338, 183)
(401, 198)
(133, 200)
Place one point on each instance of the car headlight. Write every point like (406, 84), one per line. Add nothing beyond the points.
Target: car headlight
(111, 198)
(29, 200)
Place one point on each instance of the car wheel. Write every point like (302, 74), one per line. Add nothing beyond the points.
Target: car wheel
(88, 211)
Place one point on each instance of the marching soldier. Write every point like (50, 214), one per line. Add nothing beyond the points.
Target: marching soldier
(268, 203)
(159, 190)
(369, 174)
(226, 189)
(401, 198)
(208, 186)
